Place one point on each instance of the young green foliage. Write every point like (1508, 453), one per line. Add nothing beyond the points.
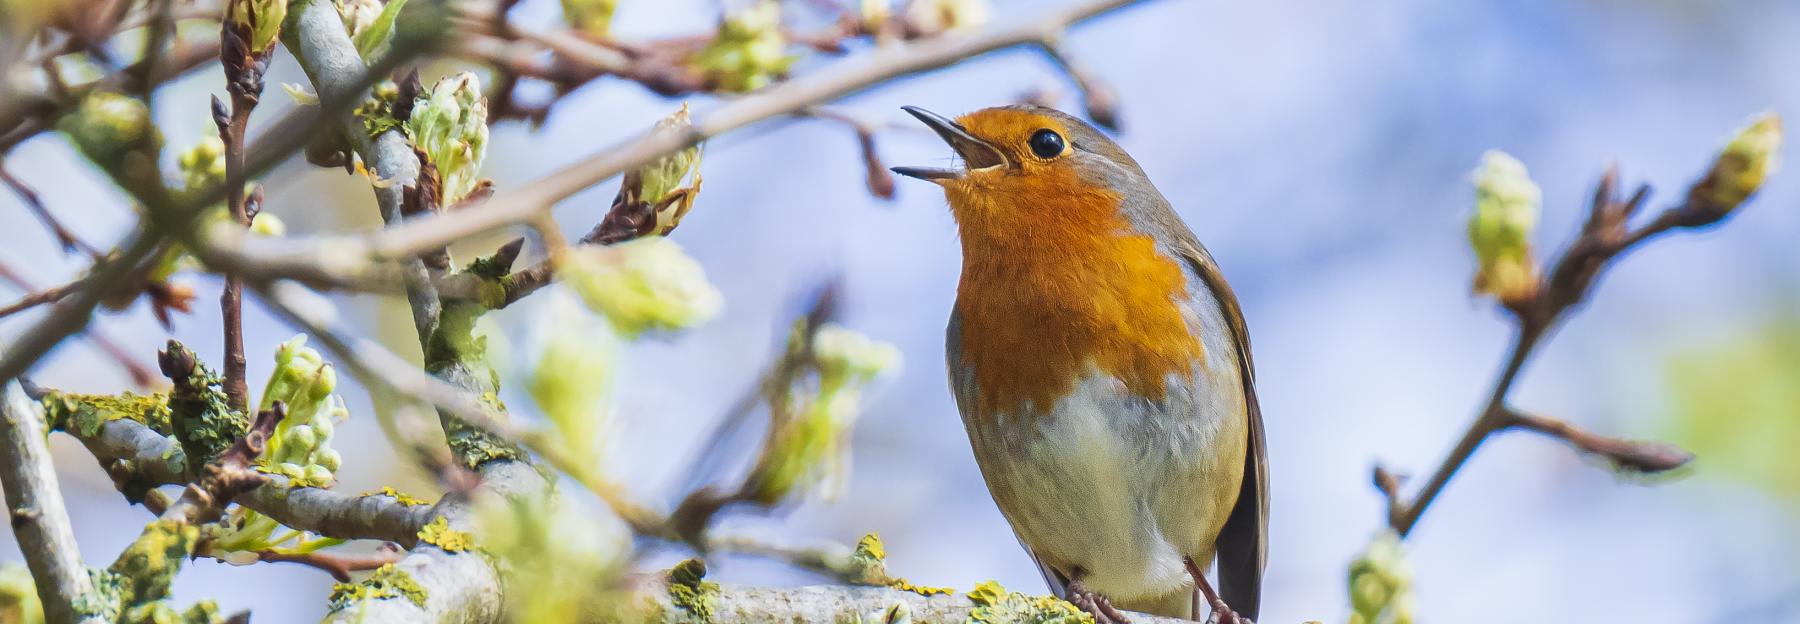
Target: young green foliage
(449, 123)
(558, 559)
(642, 285)
(749, 50)
(807, 445)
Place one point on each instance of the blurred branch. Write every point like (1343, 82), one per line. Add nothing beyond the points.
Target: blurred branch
(24, 115)
(1606, 234)
(533, 199)
(64, 236)
(35, 506)
(141, 375)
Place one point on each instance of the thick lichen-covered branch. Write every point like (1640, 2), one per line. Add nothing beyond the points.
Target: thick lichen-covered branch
(35, 506)
(135, 454)
(988, 604)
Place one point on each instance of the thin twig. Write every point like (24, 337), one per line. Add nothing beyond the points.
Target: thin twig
(1604, 236)
(338, 565)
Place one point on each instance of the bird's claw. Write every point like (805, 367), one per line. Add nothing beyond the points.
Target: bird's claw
(1095, 604)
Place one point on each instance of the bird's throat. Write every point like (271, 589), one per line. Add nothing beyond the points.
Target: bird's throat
(1062, 288)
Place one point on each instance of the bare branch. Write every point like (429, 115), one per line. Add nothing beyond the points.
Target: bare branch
(1635, 456)
(1604, 236)
(35, 506)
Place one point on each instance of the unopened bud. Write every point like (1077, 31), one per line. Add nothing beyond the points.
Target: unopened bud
(203, 165)
(749, 51)
(1739, 170)
(642, 285)
(593, 17)
(106, 125)
(262, 17)
(940, 15)
(450, 124)
(1506, 211)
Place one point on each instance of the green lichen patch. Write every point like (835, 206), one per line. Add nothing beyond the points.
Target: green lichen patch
(144, 571)
(691, 592)
(398, 496)
(438, 533)
(202, 420)
(300, 476)
(995, 605)
(387, 582)
(83, 414)
(161, 612)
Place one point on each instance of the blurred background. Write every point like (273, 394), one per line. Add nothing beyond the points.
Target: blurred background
(1322, 151)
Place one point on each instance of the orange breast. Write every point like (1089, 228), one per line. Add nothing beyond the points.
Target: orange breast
(1054, 281)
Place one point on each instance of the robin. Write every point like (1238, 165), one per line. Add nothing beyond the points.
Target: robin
(1102, 368)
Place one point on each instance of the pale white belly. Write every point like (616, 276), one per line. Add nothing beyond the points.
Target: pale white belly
(1118, 487)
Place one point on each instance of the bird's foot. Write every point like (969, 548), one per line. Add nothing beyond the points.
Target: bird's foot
(1095, 604)
(1221, 612)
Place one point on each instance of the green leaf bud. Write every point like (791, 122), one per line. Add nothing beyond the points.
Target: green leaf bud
(749, 50)
(642, 285)
(262, 17)
(593, 17)
(940, 15)
(266, 224)
(1739, 169)
(203, 165)
(1507, 203)
(449, 123)
(107, 125)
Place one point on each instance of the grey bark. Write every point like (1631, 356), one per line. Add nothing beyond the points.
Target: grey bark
(35, 506)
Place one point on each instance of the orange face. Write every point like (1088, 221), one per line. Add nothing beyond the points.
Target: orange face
(1056, 282)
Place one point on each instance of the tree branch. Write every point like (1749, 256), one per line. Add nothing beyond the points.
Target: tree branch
(35, 506)
(531, 200)
(132, 452)
(1604, 236)
(832, 603)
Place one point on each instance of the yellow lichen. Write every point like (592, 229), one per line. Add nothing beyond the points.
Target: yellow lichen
(995, 605)
(398, 496)
(438, 533)
(387, 582)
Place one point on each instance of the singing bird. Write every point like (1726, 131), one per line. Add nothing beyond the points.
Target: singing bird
(1102, 368)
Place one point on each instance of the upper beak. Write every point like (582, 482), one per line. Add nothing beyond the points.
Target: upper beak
(975, 153)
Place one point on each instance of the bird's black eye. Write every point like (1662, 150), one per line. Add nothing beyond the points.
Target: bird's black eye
(1046, 143)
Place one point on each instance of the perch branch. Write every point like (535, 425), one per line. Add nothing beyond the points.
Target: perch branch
(746, 605)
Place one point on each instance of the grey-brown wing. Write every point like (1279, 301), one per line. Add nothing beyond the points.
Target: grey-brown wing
(1243, 548)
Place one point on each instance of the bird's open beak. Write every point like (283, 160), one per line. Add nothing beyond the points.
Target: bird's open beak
(975, 153)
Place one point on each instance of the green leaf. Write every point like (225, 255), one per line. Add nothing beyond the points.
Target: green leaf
(372, 40)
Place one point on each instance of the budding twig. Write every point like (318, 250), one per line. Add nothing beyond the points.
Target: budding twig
(1537, 309)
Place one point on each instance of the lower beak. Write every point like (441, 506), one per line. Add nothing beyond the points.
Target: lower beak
(975, 153)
